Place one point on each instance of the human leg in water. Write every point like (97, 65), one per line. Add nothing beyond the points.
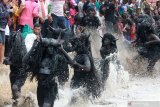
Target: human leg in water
(46, 91)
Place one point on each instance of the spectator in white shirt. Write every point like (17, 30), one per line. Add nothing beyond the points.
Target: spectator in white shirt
(57, 14)
(29, 40)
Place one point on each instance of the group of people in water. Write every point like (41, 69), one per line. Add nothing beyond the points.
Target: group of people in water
(43, 54)
(48, 58)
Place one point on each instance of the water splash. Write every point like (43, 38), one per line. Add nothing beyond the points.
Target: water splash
(117, 92)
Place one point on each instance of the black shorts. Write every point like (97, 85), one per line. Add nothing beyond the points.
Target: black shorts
(2, 37)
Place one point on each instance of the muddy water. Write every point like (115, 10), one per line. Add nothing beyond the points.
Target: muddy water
(65, 95)
(122, 90)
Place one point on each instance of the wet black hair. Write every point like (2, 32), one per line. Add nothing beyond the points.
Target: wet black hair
(37, 25)
(110, 37)
(90, 9)
(81, 44)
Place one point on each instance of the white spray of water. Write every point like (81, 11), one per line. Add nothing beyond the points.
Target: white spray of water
(118, 78)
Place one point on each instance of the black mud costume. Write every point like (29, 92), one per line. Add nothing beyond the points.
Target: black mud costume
(108, 47)
(43, 62)
(62, 71)
(85, 74)
(91, 21)
(148, 42)
(17, 75)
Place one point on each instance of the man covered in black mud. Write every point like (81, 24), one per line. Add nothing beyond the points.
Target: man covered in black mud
(17, 69)
(85, 74)
(148, 43)
(91, 20)
(42, 61)
(108, 47)
(62, 68)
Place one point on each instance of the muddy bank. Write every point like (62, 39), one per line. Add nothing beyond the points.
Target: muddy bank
(5, 90)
